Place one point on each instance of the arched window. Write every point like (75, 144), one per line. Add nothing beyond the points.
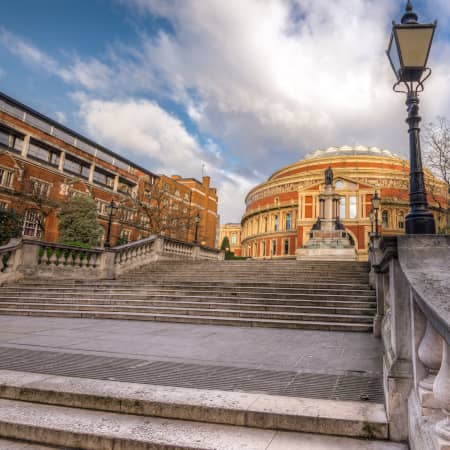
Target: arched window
(233, 239)
(385, 219)
(288, 221)
(275, 223)
(401, 220)
(33, 223)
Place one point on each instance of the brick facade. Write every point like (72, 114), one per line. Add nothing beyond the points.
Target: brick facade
(43, 164)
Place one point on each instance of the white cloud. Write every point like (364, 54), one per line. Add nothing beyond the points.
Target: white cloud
(160, 142)
(271, 79)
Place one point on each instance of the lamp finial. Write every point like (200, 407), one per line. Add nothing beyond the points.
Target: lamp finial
(410, 17)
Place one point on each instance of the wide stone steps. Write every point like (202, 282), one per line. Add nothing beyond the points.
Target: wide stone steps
(300, 307)
(326, 296)
(197, 311)
(91, 414)
(205, 320)
(141, 295)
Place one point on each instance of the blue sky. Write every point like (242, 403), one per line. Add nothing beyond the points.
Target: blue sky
(243, 86)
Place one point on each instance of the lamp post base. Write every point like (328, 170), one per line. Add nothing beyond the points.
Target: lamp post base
(420, 222)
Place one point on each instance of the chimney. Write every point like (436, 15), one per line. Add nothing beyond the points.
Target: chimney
(206, 181)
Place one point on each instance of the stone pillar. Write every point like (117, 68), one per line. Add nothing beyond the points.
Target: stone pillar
(26, 145)
(397, 360)
(91, 173)
(441, 388)
(62, 159)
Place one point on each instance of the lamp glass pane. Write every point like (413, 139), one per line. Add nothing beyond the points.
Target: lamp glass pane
(414, 44)
(393, 55)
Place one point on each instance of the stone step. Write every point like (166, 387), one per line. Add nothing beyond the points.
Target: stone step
(178, 294)
(7, 444)
(278, 413)
(196, 301)
(186, 289)
(94, 430)
(199, 283)
(228, 313)
(210, 320)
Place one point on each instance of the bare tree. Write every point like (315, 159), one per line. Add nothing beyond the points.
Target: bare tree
(160, 211)
(437, 158)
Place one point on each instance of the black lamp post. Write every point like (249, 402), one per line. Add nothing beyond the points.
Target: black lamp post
(197, 221)
(376, 202)
(111, 208)
(372, 220)
(408, 52)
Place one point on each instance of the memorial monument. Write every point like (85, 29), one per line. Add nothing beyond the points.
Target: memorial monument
(328, 238)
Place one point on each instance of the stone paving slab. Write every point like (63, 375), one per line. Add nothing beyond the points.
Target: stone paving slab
(262, 348)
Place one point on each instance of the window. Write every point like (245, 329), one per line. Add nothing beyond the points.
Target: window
(177, 193)
(33, 224)
(275, 223)
(233, 239)
(39, 188)
(125, 236)
(288, 221)
(167, 187)
(186, 197)
(11, 140)
(385, 219)
(102, 208)
(264, 248)
(40, 152)
(3, 205)
(6, 177)
(286, 246)
(342, 208)
(124, 187)
(401, 220)
(127, 215)
(76, 167)
(266, 224)
(277, 201)
(353, 207)
(274, 247)
(103, 178)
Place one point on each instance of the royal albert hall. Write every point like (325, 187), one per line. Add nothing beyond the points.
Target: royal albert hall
(281, 211)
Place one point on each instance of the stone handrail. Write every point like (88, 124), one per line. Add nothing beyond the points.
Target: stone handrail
(32, 258)
(412, 278)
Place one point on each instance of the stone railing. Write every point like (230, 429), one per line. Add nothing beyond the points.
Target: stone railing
(10, 256)
(412, 278)
(29, 258)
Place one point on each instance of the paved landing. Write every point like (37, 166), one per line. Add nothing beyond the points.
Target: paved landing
(322, 352)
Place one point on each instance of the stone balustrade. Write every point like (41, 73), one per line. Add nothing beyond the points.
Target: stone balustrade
(412, 278)
(29, 258)
(10, 255)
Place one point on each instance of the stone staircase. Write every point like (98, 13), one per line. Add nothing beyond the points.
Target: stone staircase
(319, 295)
(91, 414)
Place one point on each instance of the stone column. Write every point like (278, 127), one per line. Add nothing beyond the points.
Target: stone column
(441, 389)
(26, 145)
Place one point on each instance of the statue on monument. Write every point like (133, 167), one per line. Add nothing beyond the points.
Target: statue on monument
(329, 176)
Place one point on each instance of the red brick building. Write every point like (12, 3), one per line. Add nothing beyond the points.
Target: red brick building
(281, 212)
(43, 164)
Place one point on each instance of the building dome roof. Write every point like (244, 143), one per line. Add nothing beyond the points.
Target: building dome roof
(349, 150)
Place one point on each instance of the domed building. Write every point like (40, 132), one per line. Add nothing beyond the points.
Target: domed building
(281, 212)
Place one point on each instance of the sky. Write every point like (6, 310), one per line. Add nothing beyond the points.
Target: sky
(232, 89)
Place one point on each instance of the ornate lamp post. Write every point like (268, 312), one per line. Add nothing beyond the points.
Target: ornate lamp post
(376, 202)
(372, 220)
(408, 52)
(197, 221)
(111, 208)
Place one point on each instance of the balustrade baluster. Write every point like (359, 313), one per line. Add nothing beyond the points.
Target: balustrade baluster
(441, 389)
(430, 354)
